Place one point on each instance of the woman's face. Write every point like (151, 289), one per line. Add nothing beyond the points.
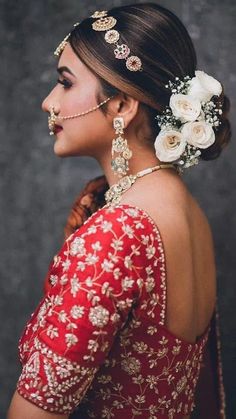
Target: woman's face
(75, 93)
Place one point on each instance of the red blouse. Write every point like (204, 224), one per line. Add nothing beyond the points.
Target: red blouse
(97, 340)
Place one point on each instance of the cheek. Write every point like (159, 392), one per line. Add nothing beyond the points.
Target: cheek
(91, 129)
(92, 123)
(87, 135)
(77, 101)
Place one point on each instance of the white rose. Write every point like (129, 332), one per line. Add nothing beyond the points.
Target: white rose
(203, 86)
(201, 116)
(199, 134)
(185, 107)
(169, 145)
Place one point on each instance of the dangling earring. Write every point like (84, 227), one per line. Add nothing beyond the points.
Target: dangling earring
(120, 164)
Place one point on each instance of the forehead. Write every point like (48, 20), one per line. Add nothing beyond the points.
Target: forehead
(69, 59)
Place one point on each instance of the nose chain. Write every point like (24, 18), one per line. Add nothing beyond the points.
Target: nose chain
(53, 117)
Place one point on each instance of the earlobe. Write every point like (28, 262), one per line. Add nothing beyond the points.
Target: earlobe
(124, 106)
(128, 109)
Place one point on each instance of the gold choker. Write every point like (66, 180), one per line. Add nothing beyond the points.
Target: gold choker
(114, 193)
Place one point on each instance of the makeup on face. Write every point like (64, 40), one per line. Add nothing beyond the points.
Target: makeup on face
(57, 129)
(66, 83)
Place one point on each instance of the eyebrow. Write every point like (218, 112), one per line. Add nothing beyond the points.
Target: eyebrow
(60, 70)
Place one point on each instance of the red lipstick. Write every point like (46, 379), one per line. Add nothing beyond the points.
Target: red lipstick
(57, 129)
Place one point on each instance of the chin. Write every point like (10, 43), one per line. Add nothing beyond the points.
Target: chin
(65, 146)
(63, 151)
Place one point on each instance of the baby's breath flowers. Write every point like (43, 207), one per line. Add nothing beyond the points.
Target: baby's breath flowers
(187, 123)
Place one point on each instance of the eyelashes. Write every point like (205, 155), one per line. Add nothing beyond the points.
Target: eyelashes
(65, 83)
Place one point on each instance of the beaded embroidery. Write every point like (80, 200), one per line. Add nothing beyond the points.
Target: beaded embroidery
(100, 330)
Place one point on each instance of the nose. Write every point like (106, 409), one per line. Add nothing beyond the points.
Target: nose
(49, 102)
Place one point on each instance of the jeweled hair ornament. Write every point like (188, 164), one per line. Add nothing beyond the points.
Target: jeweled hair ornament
(63, 43)
(104, 23)
(112, 36)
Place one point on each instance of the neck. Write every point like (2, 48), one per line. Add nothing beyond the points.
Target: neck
(141, 159)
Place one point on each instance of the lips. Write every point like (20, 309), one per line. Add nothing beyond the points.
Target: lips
(57, 129)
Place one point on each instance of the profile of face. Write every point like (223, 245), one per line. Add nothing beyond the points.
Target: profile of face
(75, 92)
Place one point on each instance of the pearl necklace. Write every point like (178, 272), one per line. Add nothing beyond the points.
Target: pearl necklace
(114, 193)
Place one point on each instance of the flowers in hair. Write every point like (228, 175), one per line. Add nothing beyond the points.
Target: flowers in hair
(187, 123)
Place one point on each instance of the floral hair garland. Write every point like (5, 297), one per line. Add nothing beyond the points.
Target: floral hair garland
(187, 123)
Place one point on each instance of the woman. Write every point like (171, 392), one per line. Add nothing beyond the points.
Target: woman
(130, 296)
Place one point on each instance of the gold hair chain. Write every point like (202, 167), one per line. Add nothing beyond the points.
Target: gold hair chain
(104, 23)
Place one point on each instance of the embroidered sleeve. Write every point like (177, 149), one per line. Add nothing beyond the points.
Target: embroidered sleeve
(95, 280)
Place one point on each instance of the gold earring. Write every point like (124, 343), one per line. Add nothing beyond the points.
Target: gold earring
(120, 164)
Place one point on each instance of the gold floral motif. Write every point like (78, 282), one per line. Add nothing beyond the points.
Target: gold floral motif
(104, 23)
(133, 63)
(112, 291)
(99, 316)
(41, 358)
(131, 365)
(122, 51)
(112, 36)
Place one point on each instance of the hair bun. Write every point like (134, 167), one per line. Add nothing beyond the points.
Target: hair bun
(222, 134)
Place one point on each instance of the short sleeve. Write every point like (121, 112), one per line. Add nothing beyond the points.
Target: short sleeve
(95, 280)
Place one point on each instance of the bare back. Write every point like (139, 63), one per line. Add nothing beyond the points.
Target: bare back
(189, 251)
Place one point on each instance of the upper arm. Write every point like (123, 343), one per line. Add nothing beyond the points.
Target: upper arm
(97, 277)
(21, 408)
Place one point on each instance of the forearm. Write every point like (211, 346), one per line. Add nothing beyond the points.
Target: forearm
(21, 408)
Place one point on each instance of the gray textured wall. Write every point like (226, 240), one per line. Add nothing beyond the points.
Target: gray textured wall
(37, 188)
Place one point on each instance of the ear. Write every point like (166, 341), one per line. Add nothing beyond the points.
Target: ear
(125, 106)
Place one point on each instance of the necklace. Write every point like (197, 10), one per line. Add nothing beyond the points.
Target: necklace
(114, 193)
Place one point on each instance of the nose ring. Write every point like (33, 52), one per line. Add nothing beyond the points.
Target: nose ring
(51, 121)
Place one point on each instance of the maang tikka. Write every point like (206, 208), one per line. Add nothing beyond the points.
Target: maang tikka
(120, 164)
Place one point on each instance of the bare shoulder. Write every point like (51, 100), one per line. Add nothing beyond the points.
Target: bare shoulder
(171, 205)
(164, 197)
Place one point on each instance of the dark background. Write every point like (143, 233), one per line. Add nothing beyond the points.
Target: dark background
(37, 188)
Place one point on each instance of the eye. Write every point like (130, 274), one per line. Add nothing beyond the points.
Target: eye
(65, 83)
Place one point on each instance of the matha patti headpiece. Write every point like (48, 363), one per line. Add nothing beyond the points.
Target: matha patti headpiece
(106, 24)
(122, 52)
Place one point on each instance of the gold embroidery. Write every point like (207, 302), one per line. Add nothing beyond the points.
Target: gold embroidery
(109, 290)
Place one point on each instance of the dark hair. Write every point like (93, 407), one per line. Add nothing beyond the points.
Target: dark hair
(160, 39)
